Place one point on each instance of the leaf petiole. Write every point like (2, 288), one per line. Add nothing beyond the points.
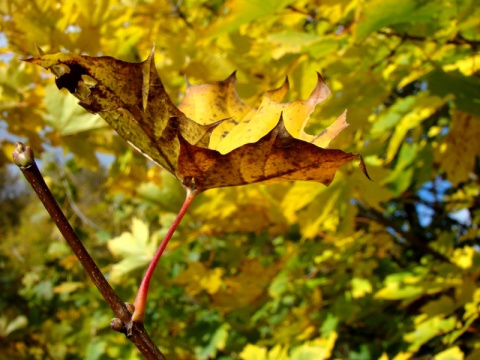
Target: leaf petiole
(141, 298)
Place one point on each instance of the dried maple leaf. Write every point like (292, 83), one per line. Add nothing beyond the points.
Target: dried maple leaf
(212, 139)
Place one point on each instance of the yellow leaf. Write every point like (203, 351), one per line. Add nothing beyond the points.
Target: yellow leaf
(255, 123)
(423, 107)
(466, 66)
(461, 147)
(383, 357)
(247, 209)
(425, 330)
(6, 152)
(67, 287)
(398, 291)
(278, 352)
(463, 257)
(294, 114)
(317, 349)
(291, 42)
(244, 12)
(403, 356)
(247, 286)
(321, 215)
(453, 353)
(299, 196)
(360, 287)
(253, 352)
(212, 102)
(197, 278)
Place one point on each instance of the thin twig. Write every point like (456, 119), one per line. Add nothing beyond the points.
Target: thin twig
(141, 298)
(23, 157)
(73, 204)
(409, 238)
(457, 40)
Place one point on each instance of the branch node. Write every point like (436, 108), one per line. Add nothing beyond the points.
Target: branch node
(118, 325)
(130, 307)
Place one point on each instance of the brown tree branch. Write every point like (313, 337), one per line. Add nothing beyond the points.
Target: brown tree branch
(457, 40)
(23, 157)
(409, 238)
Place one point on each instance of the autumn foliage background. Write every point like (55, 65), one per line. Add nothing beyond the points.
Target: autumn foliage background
(359, 270)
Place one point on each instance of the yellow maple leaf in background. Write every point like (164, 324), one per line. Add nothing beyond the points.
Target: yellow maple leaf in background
(197, 277)
(212, 139)
(457, 154)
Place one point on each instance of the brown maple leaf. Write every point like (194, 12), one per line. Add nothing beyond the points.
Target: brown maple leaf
(212, 139)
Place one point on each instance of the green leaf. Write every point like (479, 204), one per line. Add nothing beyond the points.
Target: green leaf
(428, 329)
(400, 178)
(400, 286)
(465, 89)
(329, 325)
(95, 350)
(421, 110)
(323, 49)
(443, 306)
(389, 118)
(291, 42)
(169, 195)
(244, 12)
(66, 116)
(381, 13)
(135, 249)
(7, 327)
(217, 342)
